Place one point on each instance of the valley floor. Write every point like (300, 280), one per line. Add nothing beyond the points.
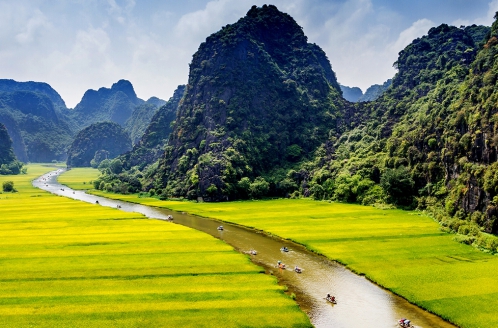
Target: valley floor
(403, 251)
(67, 263)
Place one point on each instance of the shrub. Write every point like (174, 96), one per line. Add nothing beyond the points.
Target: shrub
(8, 186)
(259, 188)
(398, 185)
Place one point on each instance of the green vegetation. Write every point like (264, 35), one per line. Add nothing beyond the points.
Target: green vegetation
(141, 118)
(260, 98)
(404, 251)
(8, 186)
(8, 162)
(262, 116)
(67, 263)
(115, 105)
(81, 178)
(35, 126)
(151, 145)
(96, 143)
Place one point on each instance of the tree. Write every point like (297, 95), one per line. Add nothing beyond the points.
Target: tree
(398, 184)
(259, 188)
(8, 186)
(116, 166)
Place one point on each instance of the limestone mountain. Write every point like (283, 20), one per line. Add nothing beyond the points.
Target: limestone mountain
(375, 91)
(114, 105)
(151, 146)
(97, 142)
(259, 98)
(140, 118)
(7, 85)
(8, 161)
(428, 141)
(351, 93)
(38, 129)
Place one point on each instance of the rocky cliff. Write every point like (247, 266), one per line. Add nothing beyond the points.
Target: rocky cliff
(259, 98)
(97, 142)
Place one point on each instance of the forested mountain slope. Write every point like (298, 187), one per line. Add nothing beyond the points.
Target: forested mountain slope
(37, 87)
(114, 105)
(38, 129)
(96, 143)
(263, 115)
(141, 117)
(8, 161)
(259, 98)
(151, 146)
(375, 91)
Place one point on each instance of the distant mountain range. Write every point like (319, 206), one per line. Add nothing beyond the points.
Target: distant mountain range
(42, 127)
(354, 94)
(263, 115)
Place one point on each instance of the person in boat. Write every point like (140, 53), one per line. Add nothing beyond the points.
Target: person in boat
(280, 265)
(297, 269)
(330, 298)
(285, 249)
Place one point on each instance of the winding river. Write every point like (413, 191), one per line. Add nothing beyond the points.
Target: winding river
(360, 302)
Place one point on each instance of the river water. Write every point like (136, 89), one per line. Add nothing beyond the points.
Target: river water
(360, 302)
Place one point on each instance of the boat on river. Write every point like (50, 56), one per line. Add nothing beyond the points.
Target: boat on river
(405, 323)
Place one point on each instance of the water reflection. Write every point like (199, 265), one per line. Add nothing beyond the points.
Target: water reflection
(359, 302)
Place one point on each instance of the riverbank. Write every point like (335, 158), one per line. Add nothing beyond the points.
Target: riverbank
(67, 263)
(402, 251)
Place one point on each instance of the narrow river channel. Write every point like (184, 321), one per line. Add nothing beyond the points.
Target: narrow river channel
(360, 303)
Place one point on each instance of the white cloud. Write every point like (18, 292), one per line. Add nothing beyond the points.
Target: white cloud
(79, 44)
(486, 20)
(418, 29)
(34, 26)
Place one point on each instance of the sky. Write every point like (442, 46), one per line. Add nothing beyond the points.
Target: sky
(76, 45)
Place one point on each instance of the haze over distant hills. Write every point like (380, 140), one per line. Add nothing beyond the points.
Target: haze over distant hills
(354, 94)
(42, 128)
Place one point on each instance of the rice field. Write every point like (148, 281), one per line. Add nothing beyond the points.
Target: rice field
(80, 178)
(67, 263)
(403, 251)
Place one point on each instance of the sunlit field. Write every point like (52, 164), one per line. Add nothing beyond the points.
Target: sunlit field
(402, 251)
(80, 178)
(67, 263)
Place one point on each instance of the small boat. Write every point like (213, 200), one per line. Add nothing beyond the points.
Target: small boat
(220, 228)
(298, 270)
(403, 322)
(331, 300)
(253, 252)
(169, 217)
(284, 249)
(280, 265)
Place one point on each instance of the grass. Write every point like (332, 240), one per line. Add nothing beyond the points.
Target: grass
(403, 251)
(81, 178)
(67, 263)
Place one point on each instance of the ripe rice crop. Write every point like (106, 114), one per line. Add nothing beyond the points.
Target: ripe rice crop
(67, 263)
(403, 251)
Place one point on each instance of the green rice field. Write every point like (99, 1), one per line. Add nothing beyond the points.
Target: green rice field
(67, 263)
(403, 251)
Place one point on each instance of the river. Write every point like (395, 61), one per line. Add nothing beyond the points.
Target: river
(360, 302)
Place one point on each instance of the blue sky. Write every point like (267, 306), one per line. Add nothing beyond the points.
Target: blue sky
(75, 45)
